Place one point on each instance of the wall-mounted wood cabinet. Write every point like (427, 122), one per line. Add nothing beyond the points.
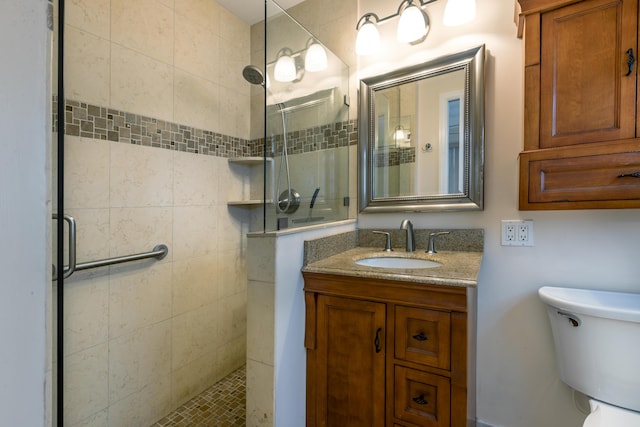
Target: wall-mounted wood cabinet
(581, 122)
(388, 353)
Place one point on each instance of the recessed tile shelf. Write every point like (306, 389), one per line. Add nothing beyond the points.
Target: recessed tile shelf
(249, 161)
(253, 160)
(247, 203)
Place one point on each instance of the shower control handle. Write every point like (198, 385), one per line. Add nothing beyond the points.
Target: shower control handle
(313, 198)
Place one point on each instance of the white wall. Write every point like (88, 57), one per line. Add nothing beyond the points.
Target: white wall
(24, 211)
(276, 356)
(517, 383)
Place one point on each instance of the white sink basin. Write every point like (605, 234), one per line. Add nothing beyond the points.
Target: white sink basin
(397, 262)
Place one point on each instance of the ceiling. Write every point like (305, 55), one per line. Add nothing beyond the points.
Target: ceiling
(252, 11)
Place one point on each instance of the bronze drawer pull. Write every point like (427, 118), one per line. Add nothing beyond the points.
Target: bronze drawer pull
(376, 342)
(632, 175)
(420, 337)
(420, 400)
(630, 61)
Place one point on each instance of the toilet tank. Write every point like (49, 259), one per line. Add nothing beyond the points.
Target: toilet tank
(597, 342)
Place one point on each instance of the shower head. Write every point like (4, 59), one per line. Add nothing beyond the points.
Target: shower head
(253, 75)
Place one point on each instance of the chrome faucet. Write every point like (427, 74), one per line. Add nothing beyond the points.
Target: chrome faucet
(431, 247)
(411, 240)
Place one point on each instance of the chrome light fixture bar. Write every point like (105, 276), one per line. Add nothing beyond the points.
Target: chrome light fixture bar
(289, 67)
(413, 25)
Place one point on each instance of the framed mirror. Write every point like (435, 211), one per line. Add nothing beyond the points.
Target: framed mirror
(421, 136)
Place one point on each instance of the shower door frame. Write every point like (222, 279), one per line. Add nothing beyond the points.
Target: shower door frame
(58, 375)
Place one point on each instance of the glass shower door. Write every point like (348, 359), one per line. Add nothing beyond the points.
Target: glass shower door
(58, 228)
(308, 130)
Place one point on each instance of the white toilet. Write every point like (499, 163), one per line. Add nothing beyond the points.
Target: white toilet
(597, 344)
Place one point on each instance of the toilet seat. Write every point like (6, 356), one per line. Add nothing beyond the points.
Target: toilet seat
(605, 415)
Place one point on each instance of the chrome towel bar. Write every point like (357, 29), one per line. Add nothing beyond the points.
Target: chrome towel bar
(158, 252)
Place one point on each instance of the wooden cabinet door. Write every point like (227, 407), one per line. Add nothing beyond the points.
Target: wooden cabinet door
(350, 362)
(585, 92)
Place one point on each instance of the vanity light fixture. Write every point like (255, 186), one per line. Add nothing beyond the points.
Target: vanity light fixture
(413, 25)
(315, 57)
(398, 135)
(285, 68)
(289, 67)
(368, 38)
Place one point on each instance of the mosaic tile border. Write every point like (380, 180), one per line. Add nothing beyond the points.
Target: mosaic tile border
(92, 121)
(108, 124)
(395, 156)
(334, 135)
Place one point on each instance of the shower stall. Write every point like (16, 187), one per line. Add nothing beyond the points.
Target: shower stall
(157, 144)
(307, 131)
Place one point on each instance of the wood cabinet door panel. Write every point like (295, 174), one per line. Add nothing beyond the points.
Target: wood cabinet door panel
(587, 178)
(351, 362)
(423, 336)
(585, 94)
(422, 398)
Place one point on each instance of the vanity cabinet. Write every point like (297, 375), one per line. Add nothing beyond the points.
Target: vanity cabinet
(388, 353)
(581, 124)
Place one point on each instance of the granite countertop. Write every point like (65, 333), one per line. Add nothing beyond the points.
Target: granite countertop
(458, 268)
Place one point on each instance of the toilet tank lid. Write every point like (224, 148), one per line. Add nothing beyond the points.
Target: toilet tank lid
(605, 304)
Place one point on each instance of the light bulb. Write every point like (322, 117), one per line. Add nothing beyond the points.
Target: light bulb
(316, 58)
(412, 25)
(285, 69)
(368, 39)
(458, 12)
(398, 135)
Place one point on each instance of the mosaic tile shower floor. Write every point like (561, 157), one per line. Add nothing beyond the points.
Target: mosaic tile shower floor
(222, 405)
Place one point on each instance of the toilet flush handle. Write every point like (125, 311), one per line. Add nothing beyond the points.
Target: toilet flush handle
(573, 319)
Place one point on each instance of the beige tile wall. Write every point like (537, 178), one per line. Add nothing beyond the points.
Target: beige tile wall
(144, 337)
(179, 61)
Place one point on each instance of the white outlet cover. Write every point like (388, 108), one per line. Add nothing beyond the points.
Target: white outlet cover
(517, 232)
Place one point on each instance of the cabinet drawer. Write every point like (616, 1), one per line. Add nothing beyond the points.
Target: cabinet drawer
(423, 336)
(587, 178)
(421, 398)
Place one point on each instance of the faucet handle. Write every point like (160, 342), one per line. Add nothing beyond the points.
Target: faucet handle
(431, 247)
(387, 246)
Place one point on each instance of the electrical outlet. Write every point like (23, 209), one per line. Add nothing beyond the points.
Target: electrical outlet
(517, 233)
(509, 232)
(523, 232)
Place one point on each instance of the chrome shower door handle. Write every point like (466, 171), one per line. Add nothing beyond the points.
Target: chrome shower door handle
(71, 222)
